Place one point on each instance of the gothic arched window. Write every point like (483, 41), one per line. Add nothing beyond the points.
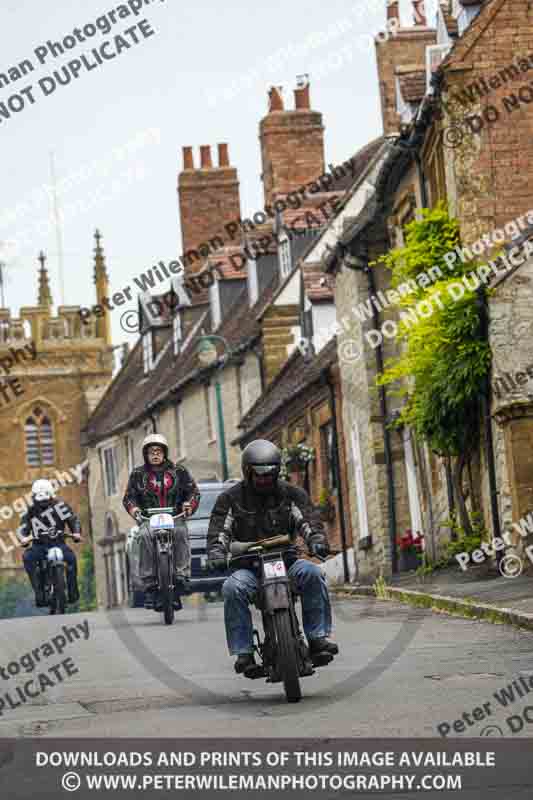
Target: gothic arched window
(39, 435)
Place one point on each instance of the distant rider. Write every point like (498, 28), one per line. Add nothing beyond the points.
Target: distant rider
(44, 525)
(159, 483)
(258, 507)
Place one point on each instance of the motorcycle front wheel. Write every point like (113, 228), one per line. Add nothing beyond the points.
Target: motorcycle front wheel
(58, 601)
(287, 651)
(166, 593)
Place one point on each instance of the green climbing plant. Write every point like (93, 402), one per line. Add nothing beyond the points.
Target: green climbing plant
(86, 581)
(444, 357)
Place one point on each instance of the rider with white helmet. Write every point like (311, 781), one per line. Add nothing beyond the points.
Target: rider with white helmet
(44, 525)
(159, 483)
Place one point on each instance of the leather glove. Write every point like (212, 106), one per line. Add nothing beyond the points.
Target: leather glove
(216, 563)
(320, 549)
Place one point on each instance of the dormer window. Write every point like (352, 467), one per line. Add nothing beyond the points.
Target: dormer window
(176, 333)
(214, 300)
(148, 351)
(253, 287)
(285, 259)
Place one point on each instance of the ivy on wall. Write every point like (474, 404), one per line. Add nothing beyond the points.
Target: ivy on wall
(444, 358)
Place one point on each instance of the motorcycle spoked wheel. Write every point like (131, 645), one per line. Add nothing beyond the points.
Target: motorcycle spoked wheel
(165, 592)
(58, 599)
(287, 655)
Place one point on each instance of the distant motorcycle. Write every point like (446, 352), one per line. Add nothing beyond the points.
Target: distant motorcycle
(51, 572)
(161, 524)
(284, 654)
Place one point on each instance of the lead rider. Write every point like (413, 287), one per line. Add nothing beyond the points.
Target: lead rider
(257, 507)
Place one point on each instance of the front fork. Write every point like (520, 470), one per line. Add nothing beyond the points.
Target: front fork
(266, 649)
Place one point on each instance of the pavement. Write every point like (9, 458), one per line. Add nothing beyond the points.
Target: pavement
(478, 593)
(401, 672)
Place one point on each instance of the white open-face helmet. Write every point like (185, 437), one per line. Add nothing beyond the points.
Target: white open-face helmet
(154, 438)
(42, 490)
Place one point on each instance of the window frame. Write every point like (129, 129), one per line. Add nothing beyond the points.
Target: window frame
(285, 256)
(111, 449)
(181, 443)
(177, 334)
(148, 351)
(38, 420)
(329, 466)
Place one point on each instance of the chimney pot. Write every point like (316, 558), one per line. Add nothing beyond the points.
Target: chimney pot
(419, 10)
(302, 98)
(188, 161)
(205, 156)
(393, 9)
(223, 155)
(276, 99)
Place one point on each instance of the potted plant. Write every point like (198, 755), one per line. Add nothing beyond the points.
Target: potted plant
(411, 547)
(326, 505)
(295, 458)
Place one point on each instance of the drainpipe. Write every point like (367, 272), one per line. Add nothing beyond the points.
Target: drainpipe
(258, 354)
(333, 407)
(221, 431)
(391, 494)
(487, 425)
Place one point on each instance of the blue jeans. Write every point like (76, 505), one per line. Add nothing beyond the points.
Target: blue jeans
(239, 591)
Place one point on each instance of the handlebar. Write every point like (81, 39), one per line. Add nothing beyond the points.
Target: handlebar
(240, 548)
(31, 538)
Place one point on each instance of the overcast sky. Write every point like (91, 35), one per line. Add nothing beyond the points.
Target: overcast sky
(201, 79)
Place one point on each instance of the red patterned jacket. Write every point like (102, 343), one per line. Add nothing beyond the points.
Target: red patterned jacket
(169, 486)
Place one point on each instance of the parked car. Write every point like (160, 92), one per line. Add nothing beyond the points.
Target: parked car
(197, 525)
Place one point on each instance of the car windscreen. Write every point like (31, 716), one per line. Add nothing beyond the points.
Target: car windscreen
(207, 501)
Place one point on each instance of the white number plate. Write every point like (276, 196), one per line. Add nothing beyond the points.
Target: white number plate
(161, 521)
(275, 569)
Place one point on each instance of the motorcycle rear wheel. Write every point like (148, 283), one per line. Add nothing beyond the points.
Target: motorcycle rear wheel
(287, 650)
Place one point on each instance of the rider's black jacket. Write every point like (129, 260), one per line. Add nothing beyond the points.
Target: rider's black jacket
(243, 515)
(169, 485)
(47, 525)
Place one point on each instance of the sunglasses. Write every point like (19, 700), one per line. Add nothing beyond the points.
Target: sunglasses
(268, 470)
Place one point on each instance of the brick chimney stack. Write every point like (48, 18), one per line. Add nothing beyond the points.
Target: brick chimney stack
(205, 157)
(406, 47)
(302, 98)
(223, 155)
(209, 199)
(188, 162)
(292, 143)
(393, 10)
(419, 12)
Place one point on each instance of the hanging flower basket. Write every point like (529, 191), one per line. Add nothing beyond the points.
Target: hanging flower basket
(295, 458)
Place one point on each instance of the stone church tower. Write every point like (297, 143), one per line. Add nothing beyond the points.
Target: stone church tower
(53, 371)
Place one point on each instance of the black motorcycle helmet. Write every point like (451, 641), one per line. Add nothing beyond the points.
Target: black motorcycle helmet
(261, 464)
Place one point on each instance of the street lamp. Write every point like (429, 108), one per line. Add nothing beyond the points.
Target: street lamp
(207, 355)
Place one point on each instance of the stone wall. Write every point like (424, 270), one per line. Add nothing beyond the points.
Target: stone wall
(511, 339)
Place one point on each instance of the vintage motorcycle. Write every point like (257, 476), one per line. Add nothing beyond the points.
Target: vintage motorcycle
(284, 654)
(51, 572)
(161, 524)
